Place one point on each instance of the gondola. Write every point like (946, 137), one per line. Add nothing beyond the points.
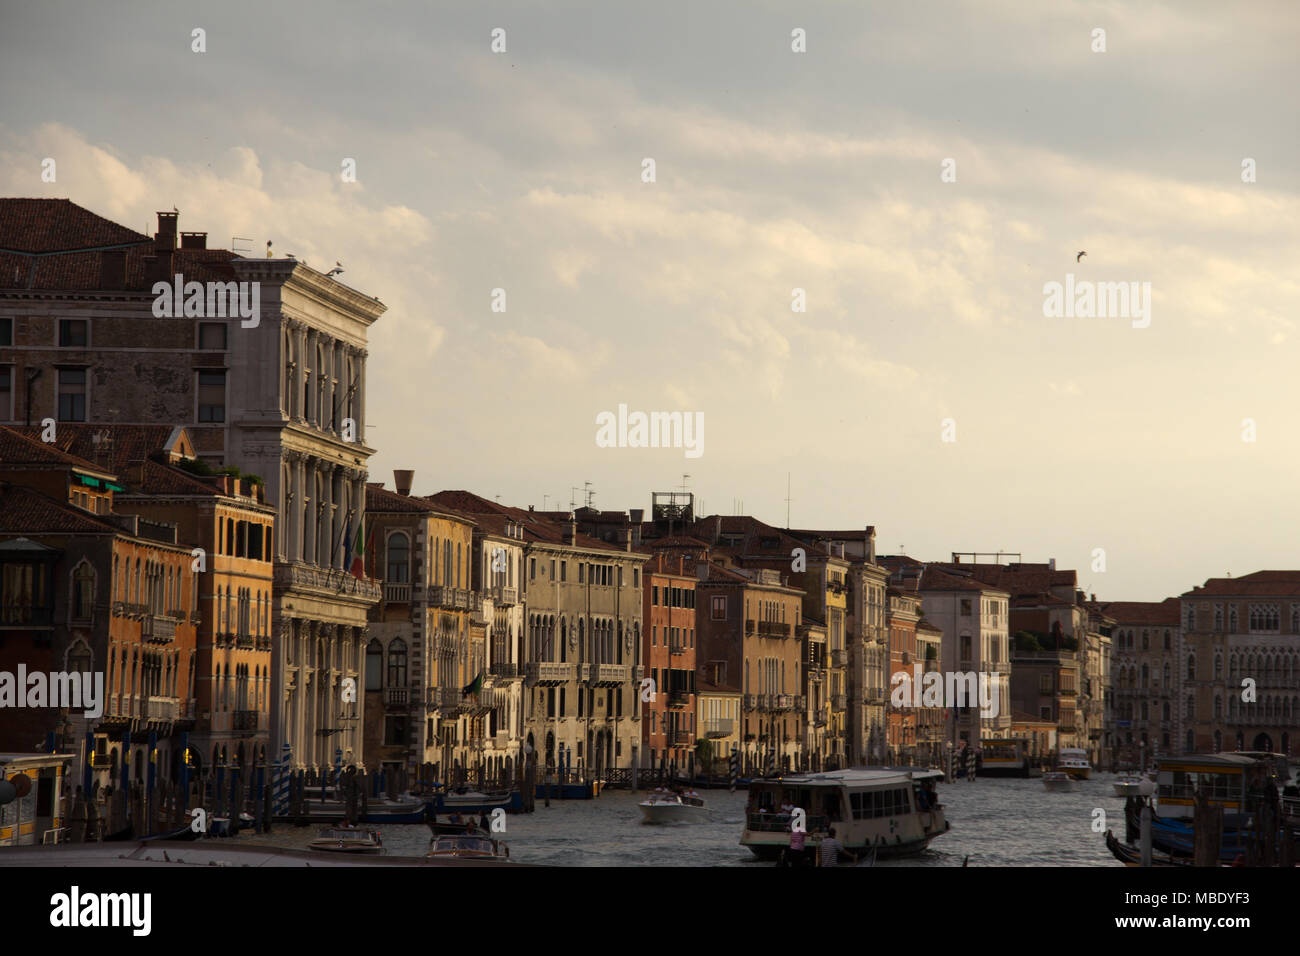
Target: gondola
(1132, 856)
(180, 834)
(126, 833)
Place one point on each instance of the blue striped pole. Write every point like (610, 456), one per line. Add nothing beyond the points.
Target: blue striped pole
(282, 780)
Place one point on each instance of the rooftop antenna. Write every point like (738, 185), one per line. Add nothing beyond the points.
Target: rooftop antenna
(573, 501)
(235, 239)
(544, 497)
(685, 477)
(588, 493)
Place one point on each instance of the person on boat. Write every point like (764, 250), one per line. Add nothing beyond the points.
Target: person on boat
(831, 849)
(484, 824)
(796, 856)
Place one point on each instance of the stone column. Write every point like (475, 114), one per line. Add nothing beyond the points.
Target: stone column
(361, 396)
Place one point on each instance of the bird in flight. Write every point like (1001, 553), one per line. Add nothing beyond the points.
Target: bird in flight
(337, 270)
(1080, 256)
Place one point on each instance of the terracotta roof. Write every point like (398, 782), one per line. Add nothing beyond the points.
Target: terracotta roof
(1158, 613)
(24, 511)
(1020, 717)
(756, 533)
(159, 479)
(382, 501)
(19, 448)
(126, 444)
(54, 244)
(1258, 583)
(936, 579)
(536, 527)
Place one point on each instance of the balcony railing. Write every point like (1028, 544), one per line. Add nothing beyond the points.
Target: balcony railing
(502, 596)
(162, 709)
(397, 696)
(246, 721)
(839, 701)
(506, 669)
(543, 672)
(750, 702)
(773, 629)
(298, 575)
(158, 630)
(719, 728)
(675, 649)
(450, 597)
(750, 625)
(682, 738)
(782, 702)
(678, 698)
(397, 593)
(839, 658)
(607, 675)
(447, 699)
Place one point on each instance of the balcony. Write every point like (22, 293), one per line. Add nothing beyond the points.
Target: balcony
(456, 598)
(607, 675)
(162, 709)
(446, 699)
(839, 701)
(397, 697)
(714, 729)
(503, 597)
(750, 702)
(508, 670)
(773, 629)
(155, 629)
(682, 738)
(678, 698)
(638, 673)
(548, 674)
(816, 674)
(101, 761)
(397, 593)
(246, 721)
(246, 641)
(840, 658)
(676, 649)
(782, 702)
(327, 582)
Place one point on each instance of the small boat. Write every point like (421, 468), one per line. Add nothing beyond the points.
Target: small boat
(665, 807)
(184, 833)
(464, 800)
(225, 827)
(378, 810)
(1058, 782)
(348, 840)
(469, 846)
(1132, 856)
(1129, 786)
(1074, 761)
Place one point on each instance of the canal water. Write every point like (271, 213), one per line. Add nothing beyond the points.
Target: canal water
(995, 822)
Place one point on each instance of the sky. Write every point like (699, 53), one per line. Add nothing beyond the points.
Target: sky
(921, 171)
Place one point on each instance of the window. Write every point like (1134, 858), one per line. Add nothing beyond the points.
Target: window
(374, 666)
(212, 395)
(654, 596)
(83, 593)
(399, 554)
(6, 331)
(564, 570)
(72, 333)
(394, 731)
(719, 608)
(965, 607)
(212, 335)
(397, 663)
(72, 394)
(6, 392)
(532, 568)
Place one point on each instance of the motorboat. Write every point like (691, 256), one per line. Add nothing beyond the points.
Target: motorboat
(893, 810)
(1058, 782)
(348, 840)
(1128, 786)
(666, 807)
(465, 800)
(470, 846)
(1074, 761)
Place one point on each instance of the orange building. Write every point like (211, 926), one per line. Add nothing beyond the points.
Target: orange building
(668, 726)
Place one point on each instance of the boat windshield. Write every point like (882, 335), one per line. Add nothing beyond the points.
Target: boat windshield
(474, 844)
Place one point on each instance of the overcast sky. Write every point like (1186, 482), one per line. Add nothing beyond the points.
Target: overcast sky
(775, 170)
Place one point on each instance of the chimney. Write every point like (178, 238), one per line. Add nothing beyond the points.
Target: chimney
(628, 542)
(194, 240)
(1051, 564)
(402, 479)
(573, 530)
(636, 515)
(165, 239)
(112, 269)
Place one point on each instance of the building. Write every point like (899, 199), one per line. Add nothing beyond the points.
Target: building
(85, 590)
(1240, 664)
(583, 640)
(903, 615)
(278, 393)
(719, 718)
(1145, 699)
(669, 724)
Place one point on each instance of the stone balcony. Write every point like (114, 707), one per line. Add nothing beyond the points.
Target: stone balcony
(502, 596)
(452, 598)
(156, 629)
(549, 674)
(326, 582)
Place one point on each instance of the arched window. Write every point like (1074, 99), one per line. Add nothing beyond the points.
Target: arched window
(397, 663)
(83, 592)
(399, 559)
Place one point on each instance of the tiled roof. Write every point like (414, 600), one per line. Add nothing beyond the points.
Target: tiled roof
(380, 500)
(119, 445)
(1158, 613)
(18, 447)
(159, 479)
(756, 533)
(934, 578)
(1258, 583)
(536, 528)
(24, 511)
(54, 244)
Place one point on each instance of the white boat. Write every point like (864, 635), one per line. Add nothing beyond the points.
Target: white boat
(1074, 761)
(348, 840)
(469, 846)
(1057, 781)
(894, 810)
(1128, 786)
(664, 807)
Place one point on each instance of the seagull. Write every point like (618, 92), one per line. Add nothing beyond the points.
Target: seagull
(337, 270)
(1080, 256)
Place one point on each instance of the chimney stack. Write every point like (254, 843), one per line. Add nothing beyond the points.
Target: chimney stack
(573, 529)
(402, 479)
(194, 240)
(165, 239)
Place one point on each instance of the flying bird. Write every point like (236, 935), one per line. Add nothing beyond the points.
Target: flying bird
(337, 270)
(1080, 256)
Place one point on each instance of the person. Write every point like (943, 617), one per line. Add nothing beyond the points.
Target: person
(795, 855)
(484, 824)
(831, 849)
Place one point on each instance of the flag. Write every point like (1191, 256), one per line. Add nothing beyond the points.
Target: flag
(356, 556)
(473, 687)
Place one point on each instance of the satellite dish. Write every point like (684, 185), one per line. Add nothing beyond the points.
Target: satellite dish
(22, 783)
